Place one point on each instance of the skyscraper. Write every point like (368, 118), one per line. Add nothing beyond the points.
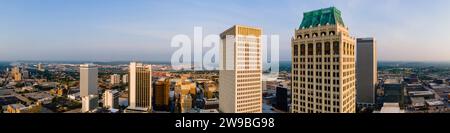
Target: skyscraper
(240, 70)
(88, 87)
(323, 62)
(140, 93)
(366, 71)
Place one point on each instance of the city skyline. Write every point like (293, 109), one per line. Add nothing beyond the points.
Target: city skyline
(142, 30)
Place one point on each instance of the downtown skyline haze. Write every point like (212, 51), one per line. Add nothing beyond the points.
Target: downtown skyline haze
(120, 30)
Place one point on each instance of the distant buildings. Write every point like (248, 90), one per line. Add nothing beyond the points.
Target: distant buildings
(140, 91)
(25, 74)
(17, 75)
(111, 99)
(323, 64)
(125, 79)
(40, 67)
(162, 89)
(88, 87)
(240, 70)
(366, 71)
(115, 79)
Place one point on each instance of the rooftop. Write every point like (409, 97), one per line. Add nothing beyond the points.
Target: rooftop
(331, 16)
(434, 102)
(17, 106)
(392, 81)
(391, 108)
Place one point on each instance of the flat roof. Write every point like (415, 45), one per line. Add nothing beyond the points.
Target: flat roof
(392, 81)
(391, 108)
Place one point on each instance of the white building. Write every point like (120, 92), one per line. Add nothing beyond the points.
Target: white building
(240, 70)
(88, 87)
(115, 79)
(89, 103)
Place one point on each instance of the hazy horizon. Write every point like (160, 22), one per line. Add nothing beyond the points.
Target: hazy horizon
(119, 30)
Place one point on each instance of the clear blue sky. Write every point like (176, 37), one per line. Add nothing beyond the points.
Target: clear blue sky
(111, 30)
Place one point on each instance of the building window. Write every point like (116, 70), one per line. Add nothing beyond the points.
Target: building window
(315, 34)
(323, 34)
(327, 48)
(336, 48)
(310, 49)
(302, 49)
(319, 49)
(295, 50)
(332, 33)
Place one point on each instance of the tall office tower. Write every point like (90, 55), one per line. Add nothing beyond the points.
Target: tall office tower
(366, 71)
(323, 64)
(88, 87)
(111, 99)
(140, 88)
(125, 79)
(115, 79)
(240, 73)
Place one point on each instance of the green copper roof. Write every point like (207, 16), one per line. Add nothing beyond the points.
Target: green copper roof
(330, 15)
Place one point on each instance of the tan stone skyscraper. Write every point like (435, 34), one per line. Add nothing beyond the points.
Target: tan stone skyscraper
(140, 94)
(323, 64)
(240, 88)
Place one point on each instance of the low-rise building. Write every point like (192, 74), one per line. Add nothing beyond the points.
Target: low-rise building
(16, 108)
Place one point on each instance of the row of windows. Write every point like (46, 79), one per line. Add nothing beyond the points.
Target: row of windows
(349, 59)
(249, 58)
(248, 75)
(249, 97)
(304, 110)
(254, 109)
(248, 84)
(247, 88)
(331, 33)
(319, 49)
(249, 67)
(249, 92)
(349, 49)
(248, 39)
(318, 89)
(348, 73)
(250, 80)
(248, 71)
(318, 60)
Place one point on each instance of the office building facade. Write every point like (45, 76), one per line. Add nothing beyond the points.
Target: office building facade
(240, 88)
(366, 71)
(323, 64)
